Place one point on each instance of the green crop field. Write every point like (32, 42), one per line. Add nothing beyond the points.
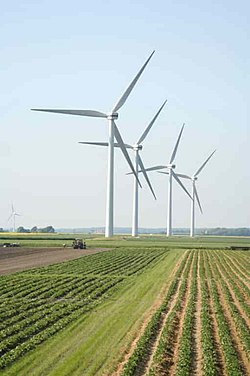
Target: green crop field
(148, 306)
(58, 239)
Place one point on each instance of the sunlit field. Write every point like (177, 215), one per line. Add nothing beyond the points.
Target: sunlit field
(146, 306)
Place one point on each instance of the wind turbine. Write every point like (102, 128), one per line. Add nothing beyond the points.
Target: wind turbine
(195, 196)
(13, 215)
(137, 163)
(113, 133)
(171, 166)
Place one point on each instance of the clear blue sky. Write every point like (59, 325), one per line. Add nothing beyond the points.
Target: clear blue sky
(76, 54)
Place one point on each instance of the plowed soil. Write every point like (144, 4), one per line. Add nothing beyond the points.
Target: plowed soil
(17, 259)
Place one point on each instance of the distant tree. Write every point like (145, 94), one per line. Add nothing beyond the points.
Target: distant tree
(34, 229)
(48, 229)
(1, 229)
(22, 229)
(221, 231)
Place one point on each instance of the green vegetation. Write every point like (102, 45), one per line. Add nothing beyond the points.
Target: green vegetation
(41, 302)
(183, 242)
(82, 316)
(35, 229)
(172, 332)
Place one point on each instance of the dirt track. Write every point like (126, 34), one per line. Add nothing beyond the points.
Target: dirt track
(17, 259)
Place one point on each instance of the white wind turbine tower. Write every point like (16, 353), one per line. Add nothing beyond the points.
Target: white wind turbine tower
(171, 166)
(13, 216)
(113, 132)
(138, 163)
(195, 196)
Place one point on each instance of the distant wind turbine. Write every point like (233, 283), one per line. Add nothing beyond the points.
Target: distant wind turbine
(195, 196)
(113, 132)
(170, 167)
(13, 216)
(138, 163)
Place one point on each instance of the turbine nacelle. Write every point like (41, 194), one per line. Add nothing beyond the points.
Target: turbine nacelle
(137, 147)
(112, 116)
(171, 166)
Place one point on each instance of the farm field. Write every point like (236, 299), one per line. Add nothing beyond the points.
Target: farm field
(18, 259)
(154, 310)
(93, 241)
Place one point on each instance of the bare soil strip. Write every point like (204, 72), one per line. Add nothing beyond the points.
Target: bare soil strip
(156, 305)
(19, 259)
(234, 333)
(197, 348)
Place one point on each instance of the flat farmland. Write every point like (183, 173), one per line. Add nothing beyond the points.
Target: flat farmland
(17, 259)
(129, 311)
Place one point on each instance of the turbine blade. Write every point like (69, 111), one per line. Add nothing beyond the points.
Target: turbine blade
(124, 97)
(197, 198)
(183, 176)
(204, 164)
(124, 150)
(143, 136)
(94, 143)
(10, 217)
(179, 175)
(176, 145)
(145, 175)
(104, 144)
(74, 112)
(163, 172)
(180, 183)
(151, 169)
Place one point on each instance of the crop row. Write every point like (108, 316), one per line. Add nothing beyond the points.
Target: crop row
(241, 325)
(18, 307)
(162, 359)
(112, 262)
(142, 350)
(230, 354)
(239, 288)
(38, 303)
(238, 268)
(25, 336)
(184, 363)
(219, 284)
(232, 274)
(209, 358)
(242, 264)
(27, 317)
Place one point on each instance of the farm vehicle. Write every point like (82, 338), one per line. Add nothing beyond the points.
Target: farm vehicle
(79, 244)
(5, 245)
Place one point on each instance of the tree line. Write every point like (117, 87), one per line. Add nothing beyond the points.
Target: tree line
(35, 229)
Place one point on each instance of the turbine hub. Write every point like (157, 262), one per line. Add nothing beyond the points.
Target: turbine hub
(112, 116)
(172, 166)
(137, 147)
